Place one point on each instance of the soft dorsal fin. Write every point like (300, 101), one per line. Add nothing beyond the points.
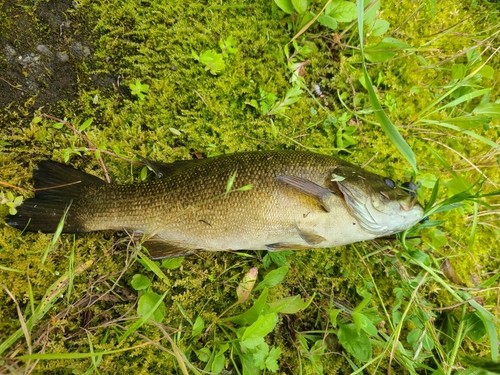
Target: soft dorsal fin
(165, 169)
(322, 195)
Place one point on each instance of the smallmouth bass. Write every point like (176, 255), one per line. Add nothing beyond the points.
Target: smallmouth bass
(291, 200)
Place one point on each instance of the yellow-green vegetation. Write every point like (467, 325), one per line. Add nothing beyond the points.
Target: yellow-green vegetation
(95, 82)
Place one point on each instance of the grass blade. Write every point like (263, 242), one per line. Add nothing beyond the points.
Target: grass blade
(387, 126)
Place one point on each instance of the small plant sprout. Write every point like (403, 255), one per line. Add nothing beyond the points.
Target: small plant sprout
(138, 89)
(213, 60)
(10, 201)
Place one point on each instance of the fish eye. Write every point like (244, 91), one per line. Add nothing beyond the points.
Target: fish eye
(390, 183)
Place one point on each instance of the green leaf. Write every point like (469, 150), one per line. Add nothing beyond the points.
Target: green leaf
(356, 344)
(272, 359)
(492, 367)
(290, 305)
(363, 323)
(341, 11)
(491, 110)
(380, 27)
(285, 5)
(140, 282)
(218, 363)
(414, 335)
(228, 46)
(300, 6)
(203, 354)
(327, 21)
(385, 50)
(252, 314)
(198, 326)
(147, 303)
(171, 263)
(369, 15)
(255, 333)
(144, 173)
(213, 61)
(86, 124)
(272, 278)
(332, 314)
(174, 131)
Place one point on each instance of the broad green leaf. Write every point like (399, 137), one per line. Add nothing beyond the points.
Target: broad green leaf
(369, 14)
(140, 282)
(285, 5)
(486, 71)
(356, 344)
(385, 50)
(363, 323)
(333, 316)
(251, 315)
(380, 27)
(147, 303)
(203, 354)
(327, 21)
(273, 278)
(414, 335)
(427, 342)
(171, 263)
(491, 110)
(218, 363)
(290, 305)
(458, 71)
(198, 326)
(341, 11)
(258, 330)
(300, 6)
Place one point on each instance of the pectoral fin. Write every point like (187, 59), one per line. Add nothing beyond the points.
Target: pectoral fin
(159, 249)
(323, 196)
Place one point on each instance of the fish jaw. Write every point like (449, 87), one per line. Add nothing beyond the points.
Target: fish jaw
(379, 215)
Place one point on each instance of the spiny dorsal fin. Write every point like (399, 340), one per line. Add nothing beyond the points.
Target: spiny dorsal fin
(165, 169)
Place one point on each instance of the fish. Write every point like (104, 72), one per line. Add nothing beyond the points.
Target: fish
(261, 200)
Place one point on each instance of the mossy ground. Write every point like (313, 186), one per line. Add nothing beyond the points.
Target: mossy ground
(189, 112)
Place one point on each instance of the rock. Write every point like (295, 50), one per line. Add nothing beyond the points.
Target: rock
(80, 50)
(10, 53)
(62, 56)
(42, 48)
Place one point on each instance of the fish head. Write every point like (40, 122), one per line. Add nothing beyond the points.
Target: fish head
(378, 203)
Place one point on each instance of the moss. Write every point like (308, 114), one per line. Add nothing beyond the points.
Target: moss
(151, 41)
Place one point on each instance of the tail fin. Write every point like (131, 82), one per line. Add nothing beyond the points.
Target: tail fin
(57, 186)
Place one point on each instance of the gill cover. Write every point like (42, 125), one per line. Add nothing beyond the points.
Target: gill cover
(381, 207)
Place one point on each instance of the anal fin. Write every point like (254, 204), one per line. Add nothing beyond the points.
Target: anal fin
(278, 246)
(159, 249)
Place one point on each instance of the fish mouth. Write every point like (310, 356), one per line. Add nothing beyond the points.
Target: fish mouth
(380, 218)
